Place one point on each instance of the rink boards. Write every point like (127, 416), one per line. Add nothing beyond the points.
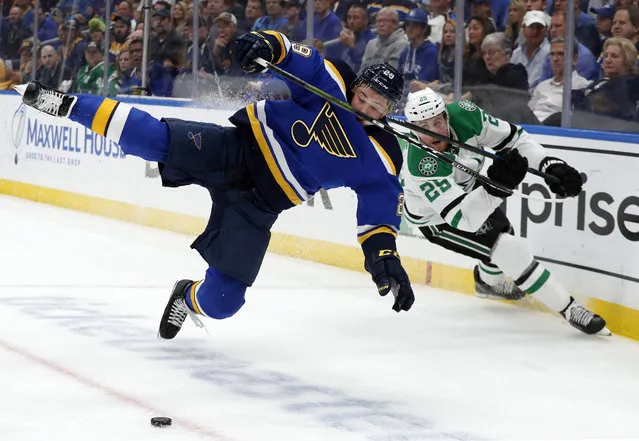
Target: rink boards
(589, 242)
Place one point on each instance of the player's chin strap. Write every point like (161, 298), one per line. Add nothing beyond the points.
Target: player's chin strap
(386, 127)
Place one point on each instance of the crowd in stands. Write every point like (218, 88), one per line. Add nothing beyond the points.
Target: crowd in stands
(513, 54)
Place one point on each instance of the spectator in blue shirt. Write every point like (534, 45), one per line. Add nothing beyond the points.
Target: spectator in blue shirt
(418, 62)
(604, 21)
(585, 28)
(351, 43)
(295, 30)
(327, 26)
(47, 29)
(274, 19)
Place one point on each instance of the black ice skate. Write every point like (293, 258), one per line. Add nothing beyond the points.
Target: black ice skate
(176, 311)
(583, 319)
(46, 99)
(504, 290)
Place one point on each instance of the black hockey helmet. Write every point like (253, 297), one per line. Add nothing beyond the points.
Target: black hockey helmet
(384, 79)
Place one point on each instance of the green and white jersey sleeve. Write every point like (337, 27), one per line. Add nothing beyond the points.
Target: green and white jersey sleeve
(470, 124)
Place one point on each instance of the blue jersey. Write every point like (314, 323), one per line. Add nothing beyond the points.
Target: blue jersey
(308, 144)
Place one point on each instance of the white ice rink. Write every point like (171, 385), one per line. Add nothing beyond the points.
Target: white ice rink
(315, 354)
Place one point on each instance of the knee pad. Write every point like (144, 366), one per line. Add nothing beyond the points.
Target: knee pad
(219, 296)
(511, 255)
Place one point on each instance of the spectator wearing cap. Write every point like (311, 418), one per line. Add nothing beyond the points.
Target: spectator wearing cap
(586, 63)
(547, 98)
(52, 73)
(390, 42)
(274, 19)
(352, 41)
(252, 12)
(12, 33)
(47, 27)
(166, 42)
(97, 29)
(625, 24)
(90, 77)
(224, 46)
(120, 35)
(532, 53)
(440, 13)
(603, 21)
(585, 28)
(418, 62)
(72, 45)
(56, 17)
(402, 7)
(327, 25)
(295, 28)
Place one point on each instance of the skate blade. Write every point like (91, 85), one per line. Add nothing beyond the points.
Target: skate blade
(605, 332)
(20, 88)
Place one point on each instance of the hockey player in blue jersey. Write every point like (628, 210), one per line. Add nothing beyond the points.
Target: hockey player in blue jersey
(277, 155)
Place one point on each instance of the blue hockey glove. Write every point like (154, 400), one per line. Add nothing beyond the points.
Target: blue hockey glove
(568, 182)
(250, 46)
(508, 171)
(388, 274)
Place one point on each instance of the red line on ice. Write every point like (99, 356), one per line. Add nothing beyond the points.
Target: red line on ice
(122, 396)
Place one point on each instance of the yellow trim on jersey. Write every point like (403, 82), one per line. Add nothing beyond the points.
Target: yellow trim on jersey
(337, 74)
(378, 230)
(383, 152)
(193, 291)
(271, 162)
(103, 115)
(282, 45)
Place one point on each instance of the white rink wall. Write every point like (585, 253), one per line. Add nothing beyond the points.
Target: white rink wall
(590, 242)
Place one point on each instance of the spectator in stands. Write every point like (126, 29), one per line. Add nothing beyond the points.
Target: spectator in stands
(440, 13)
(97, 30)
(90, 77)
(402, 7)
(252, 12)
(327, 25)
(72, 45)
(532, 53)
(617, 93)
(27, 12)
(587, 65)
(496, 51)
(585, 28)
(125, 9)
(500, 10)
(165, 42)
(547, 98)
(212, 10)
(341, 7)
(418, 62)
(120, 35)
(625, 24)
(352, 41)
(514, 29)
(52, 73)
(604, 21)
(295, 28)
(205, 53)
(223, 60)
(179, 17)
(78, 10)
(390, 42)
(130, 84)
(446, 59)
(47, 28)
(481, 8)
(23, 75)
(474, 66)
(12, 33)
(57, 18)
(274, 20)
(123, 72)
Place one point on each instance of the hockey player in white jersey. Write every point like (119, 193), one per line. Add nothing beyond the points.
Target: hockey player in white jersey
(452, 210)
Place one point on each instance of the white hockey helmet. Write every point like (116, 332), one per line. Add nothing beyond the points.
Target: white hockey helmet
(424, 104)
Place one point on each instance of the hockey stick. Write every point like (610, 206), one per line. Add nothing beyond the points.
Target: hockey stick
(386, 127)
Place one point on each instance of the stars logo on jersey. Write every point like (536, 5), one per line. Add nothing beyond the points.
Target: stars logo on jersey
(327, 131)
(428, 166)
(467, 105)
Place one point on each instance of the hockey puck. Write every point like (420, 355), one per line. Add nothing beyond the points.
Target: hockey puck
(161, 421)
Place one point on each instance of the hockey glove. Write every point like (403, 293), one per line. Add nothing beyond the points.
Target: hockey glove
(568, 182)
(508, 171)
(250, 46)
(388, 274)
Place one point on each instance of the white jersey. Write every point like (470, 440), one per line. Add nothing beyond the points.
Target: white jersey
(435, 192)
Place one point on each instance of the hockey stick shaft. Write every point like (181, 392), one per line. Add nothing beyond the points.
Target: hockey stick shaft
(382, 125)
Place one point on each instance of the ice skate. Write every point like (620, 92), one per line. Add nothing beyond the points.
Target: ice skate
(46, 99)
(176, 311)
(504, 290)
(583, 319)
